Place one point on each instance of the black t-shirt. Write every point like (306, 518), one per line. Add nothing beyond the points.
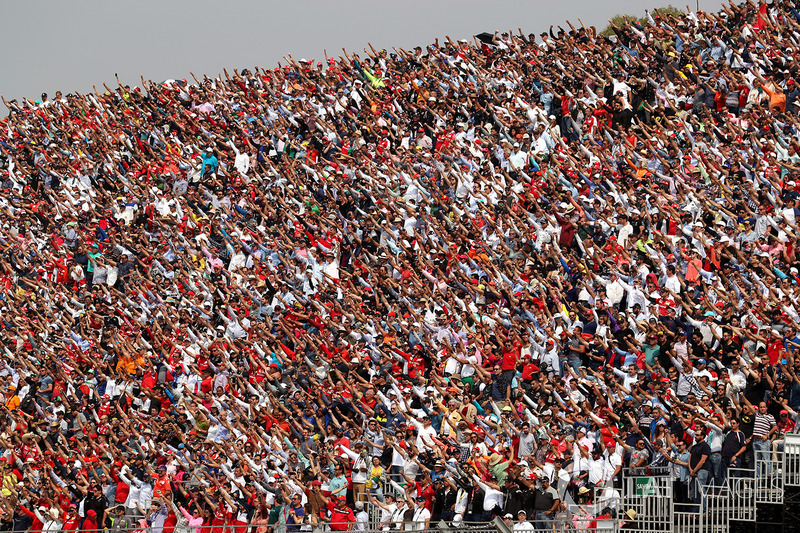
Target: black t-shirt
(746, 422)
(438, 501)
(535, 394)
(500, 384)
(729, 348)
(544, 500)
(756, 389)
(477, 500)
(622, 333)
(696, 454)
(514, 501)
(734, 440)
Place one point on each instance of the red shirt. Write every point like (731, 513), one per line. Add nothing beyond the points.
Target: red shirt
(529, 370)
(774, 350)
(344, 442)
(258, 375)
(104, 409)
(149, 380)
(71, 524)
(509, 358)
(122, 488)
(426, 493)
(785, 427)
(340, 519)
(369, 403)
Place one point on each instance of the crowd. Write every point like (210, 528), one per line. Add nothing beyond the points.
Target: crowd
(480, 279)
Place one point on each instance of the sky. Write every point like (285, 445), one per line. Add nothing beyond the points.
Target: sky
(72, 45)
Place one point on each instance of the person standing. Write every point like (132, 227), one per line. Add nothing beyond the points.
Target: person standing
(733, 447)
(422, 516)
(699, 465)
(764, 426)
(362, 517)
(546, 504)
(341, 517)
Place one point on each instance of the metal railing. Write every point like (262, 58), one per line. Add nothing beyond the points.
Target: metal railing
(660, 505)
(791, 459)
(651, 498)
(769, 476)
(715, 512)
(742, 489)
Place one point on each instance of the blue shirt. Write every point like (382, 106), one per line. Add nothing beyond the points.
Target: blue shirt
(787, 343)
(210, 161)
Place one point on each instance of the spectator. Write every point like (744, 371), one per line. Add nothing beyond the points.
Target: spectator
(699, 465)
(458, 274)
(546, 504)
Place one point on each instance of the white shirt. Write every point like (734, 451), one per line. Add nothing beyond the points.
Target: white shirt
(387, 511)
(624, 234)
(425, 438)
(614, 460)
(673, 284)
(396, 516)
(615, 291)
(596, 470)
(361, 521)
(358, 463)
(462, 498)
(421, 516)
(493, 498)
(523, 526)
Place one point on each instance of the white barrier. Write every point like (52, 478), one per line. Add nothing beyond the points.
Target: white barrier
(791, 459)
(769, 477)
(741, 484)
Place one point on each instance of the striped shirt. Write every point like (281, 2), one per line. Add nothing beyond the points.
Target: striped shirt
(763, 424)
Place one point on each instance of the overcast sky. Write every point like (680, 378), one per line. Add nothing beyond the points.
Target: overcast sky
(70, 45)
